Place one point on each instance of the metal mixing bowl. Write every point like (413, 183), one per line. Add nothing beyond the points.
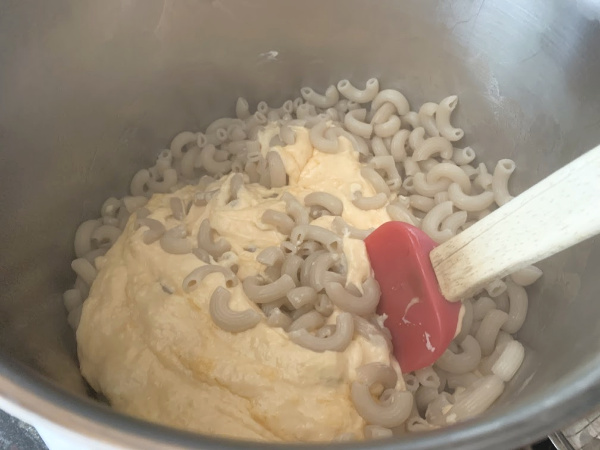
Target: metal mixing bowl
(90, 91)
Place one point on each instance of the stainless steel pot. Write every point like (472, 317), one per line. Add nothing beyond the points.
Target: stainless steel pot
(90, 91)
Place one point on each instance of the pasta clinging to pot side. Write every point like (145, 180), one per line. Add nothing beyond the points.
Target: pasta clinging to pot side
(231, 293)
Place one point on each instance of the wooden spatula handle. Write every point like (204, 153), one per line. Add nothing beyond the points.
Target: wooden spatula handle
(556, 213)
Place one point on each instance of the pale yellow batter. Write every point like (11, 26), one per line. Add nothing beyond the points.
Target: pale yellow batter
(159, 356)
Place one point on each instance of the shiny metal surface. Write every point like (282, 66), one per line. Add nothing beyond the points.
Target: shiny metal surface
(582, 434)
(559, 441)
(90, 91)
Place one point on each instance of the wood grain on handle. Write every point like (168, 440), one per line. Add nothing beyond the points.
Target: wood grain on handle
(558, 212)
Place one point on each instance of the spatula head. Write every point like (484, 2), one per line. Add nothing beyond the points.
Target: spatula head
(421, 320)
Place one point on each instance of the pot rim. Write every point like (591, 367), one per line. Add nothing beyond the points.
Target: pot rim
(35, 399)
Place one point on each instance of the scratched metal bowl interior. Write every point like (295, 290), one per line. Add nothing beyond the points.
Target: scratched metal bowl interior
(90, 91)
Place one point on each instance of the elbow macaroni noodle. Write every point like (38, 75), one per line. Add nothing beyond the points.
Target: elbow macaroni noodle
(409, 161)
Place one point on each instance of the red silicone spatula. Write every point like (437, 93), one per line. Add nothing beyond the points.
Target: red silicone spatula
(417, 278)
(421, 320)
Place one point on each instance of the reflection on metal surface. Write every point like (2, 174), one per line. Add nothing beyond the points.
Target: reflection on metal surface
(560, 441)
(583, 434)
(589, 9)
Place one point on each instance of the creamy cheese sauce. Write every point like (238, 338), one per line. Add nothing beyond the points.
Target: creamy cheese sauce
(159, 356)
